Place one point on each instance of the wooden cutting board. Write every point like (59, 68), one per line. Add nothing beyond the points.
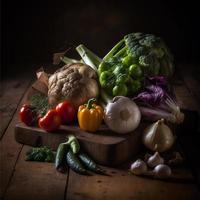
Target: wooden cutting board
(104, 146)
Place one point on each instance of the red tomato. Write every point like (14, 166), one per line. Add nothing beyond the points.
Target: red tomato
(28, 115)
(51, 121)
(66, 111)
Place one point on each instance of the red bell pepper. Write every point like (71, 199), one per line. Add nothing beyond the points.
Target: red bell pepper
(51, 121)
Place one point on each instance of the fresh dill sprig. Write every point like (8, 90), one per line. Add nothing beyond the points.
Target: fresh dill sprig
(40, 103)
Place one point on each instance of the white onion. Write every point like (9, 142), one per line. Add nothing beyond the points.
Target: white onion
(122, 115)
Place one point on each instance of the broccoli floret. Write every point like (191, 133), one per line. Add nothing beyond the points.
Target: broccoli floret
(135, 56)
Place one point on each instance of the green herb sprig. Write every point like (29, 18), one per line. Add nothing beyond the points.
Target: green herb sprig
(40, 103)
(40, 154)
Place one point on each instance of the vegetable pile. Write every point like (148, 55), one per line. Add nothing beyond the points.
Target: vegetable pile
(47, 119)
(138, 67)
(129, 85)
(122, 70)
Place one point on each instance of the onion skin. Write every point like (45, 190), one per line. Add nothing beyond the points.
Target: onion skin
(122, 115)
(158, 137)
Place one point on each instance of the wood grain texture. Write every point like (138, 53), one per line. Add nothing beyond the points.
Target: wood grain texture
(122, 185)
(185, 98)
(191, 77)
(105, 147)
(36, 180)
(9, 149)
(11, 93)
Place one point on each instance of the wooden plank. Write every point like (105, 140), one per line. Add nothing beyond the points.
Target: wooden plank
(189, 81)
(99, 145)
(9, 151)
(122, 185)
(189, 104)
(191, 77)
(185, 98)
(36, 180)
(190, 146)
(12, 91)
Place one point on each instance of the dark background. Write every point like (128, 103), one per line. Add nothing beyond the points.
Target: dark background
(33, 30)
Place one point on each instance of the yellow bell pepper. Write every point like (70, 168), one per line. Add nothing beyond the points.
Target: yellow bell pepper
(90, 116)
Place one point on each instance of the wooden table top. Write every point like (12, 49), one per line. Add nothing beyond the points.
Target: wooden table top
(34, 180)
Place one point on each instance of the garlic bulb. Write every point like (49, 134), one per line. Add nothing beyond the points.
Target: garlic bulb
(162, 171)
(158, 137)
(155, 160)
(139, 167)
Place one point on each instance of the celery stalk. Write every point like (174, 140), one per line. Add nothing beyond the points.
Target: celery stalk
(88, 57)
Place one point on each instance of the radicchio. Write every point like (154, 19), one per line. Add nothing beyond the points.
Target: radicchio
(157, 102)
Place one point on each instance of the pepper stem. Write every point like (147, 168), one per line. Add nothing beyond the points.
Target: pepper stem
(90, 102)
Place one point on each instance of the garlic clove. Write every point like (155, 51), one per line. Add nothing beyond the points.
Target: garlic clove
(158, 137)
(139, 167)
(162, 171)
(155, 160)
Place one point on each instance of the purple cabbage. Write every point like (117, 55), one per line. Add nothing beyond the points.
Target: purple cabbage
(152, 95)
(157, 102)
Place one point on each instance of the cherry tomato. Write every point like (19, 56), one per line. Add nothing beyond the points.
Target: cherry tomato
(51, 121)
(28, 115)
(66, 111)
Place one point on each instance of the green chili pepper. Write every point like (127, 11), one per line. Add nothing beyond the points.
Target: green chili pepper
(90, 164)
(60, 155)
(74, 163)
(74, 144)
